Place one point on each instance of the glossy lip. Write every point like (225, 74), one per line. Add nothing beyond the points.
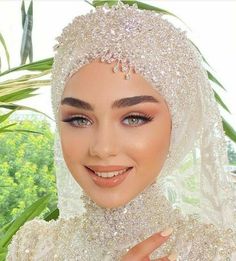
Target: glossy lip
(109, 182)
(101, 168)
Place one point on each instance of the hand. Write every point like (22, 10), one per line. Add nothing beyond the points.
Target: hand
(142, 250)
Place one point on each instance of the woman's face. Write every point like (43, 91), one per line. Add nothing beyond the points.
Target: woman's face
(116, 122)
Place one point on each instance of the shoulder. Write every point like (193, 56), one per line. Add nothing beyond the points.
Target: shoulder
(41, 240)
(209, 241)
(26, 238)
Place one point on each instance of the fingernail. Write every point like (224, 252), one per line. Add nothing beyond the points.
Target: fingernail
(167, 232)
(172, 256)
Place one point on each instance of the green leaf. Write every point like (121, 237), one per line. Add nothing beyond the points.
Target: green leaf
(229, 131)
(6, 50)
(139, 4)
(201, 54)
(88, 2)
(5, 228)
(26, 43)
(23, 13)
(41, 65)
(30, 14)
(23, 78)
(21, 107)
(31, 50)
(219, 100)
(11, 86)
(102, 2)
(7, 126)
(213, 79)
(5, 116)
(3, 254)
(52, 215)
(20, 130)
(18, 95)
(31, 212)
(149, 7)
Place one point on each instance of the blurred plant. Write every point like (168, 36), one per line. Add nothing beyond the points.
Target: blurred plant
(9, 230)
(26, 167)
(22, 87)
(27, 24)
(12, 91)
(26, 175)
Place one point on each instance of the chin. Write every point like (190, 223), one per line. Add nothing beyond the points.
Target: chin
(109, 199)
(114, 199)
(112, 204)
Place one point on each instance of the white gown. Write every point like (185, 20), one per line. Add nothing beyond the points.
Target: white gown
(101, 234)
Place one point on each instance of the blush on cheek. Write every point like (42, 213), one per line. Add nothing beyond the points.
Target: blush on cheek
(68, 144)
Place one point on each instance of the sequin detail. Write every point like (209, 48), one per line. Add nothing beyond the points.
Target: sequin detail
(107, 234)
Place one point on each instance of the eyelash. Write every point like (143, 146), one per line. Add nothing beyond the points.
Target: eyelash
(146, 118)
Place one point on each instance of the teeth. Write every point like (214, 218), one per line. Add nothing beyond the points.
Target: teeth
(110, 174)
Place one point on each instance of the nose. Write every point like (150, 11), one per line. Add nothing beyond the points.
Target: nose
(104, 143)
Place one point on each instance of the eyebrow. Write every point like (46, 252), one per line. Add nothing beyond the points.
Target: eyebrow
(121, 103)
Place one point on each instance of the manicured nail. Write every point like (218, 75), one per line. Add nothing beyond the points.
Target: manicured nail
(167, 232)
(172, 256)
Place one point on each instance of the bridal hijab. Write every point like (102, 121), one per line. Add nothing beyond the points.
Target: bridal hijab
(203, 216)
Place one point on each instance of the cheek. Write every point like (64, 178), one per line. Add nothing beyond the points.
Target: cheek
(152, 146)
(71, 145)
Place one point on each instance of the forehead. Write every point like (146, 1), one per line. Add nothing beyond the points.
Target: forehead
(97, 80)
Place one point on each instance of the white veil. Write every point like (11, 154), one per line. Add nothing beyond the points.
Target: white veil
(165, 57)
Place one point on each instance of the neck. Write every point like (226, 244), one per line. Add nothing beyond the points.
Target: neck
(117, 228)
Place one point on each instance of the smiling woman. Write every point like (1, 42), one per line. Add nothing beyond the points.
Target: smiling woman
(136, 121)
(100, 115)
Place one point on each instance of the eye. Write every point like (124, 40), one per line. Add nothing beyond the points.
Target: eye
(134, 119)
(77, 121)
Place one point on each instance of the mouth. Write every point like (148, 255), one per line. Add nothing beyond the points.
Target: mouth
(109, 179)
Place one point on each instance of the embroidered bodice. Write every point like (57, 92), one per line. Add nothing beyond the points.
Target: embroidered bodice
(106, 234)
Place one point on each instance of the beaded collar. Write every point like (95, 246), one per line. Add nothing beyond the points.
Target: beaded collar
(107, 234)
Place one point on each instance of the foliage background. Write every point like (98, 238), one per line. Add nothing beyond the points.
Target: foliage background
(26, 168)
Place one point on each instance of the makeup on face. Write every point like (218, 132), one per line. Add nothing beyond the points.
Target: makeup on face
(114, 133)
(124, 103)
(109, 179)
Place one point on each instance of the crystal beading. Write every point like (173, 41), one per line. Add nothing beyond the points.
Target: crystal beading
(107, 234)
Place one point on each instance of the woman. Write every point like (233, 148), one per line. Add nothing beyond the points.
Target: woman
(136, 120)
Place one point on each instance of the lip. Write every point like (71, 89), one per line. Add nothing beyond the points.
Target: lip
(109, 182)
(101, 168)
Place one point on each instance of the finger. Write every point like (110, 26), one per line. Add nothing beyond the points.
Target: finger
(146, 247)
(146, 258)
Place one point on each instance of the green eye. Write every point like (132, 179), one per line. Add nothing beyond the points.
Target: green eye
(135, 119)
(77, 121)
